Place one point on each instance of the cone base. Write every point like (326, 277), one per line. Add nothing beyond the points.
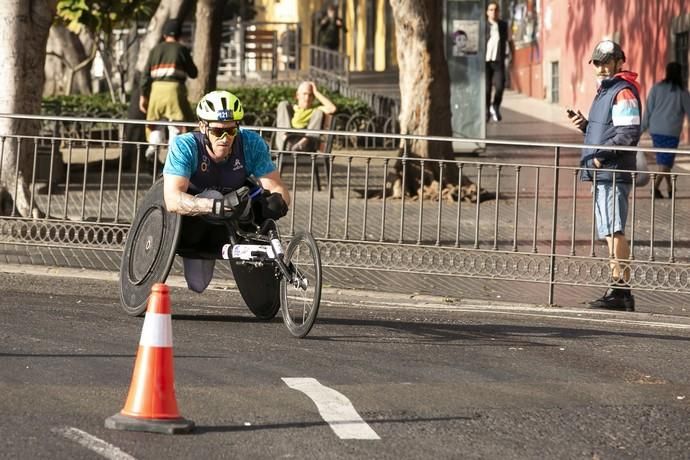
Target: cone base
(165, 426)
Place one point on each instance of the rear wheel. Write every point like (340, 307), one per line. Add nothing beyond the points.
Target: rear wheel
(301, 296)
(149, 250)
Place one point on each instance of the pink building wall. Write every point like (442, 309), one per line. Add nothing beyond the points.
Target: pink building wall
(571, 28)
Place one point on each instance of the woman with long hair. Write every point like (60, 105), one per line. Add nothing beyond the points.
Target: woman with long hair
(667, 105)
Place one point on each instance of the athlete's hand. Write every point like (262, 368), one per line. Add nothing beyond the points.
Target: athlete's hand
(235, 202)
(273, 206)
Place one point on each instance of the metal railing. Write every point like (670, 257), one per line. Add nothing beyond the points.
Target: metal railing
(329, 66)
(529, 220)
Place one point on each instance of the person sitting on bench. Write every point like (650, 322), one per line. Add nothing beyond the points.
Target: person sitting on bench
(302, 115)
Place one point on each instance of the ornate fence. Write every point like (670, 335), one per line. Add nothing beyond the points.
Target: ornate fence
(539, 226)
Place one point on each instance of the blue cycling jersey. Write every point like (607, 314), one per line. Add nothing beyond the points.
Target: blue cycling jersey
(183, 157)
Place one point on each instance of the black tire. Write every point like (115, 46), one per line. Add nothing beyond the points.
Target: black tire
(300, 305)
(149, 250)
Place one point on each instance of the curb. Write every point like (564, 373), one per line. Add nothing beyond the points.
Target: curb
(363, 299)
(178, 281)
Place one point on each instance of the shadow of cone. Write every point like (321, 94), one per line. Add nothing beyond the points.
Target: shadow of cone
(151, 404)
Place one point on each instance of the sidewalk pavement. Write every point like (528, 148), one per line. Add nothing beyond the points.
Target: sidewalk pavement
(529, 119)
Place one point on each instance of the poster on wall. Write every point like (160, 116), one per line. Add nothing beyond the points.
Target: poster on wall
(525, 18)
(464, 37)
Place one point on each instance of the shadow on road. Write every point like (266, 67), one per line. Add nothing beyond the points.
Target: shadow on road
(475, 335)
(290, 425)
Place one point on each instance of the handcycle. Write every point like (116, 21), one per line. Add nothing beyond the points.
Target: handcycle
(269, 276)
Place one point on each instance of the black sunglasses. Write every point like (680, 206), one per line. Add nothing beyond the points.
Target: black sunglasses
(218, 132)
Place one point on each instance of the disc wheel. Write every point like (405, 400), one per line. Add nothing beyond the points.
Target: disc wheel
(259, 287)
(300, 299)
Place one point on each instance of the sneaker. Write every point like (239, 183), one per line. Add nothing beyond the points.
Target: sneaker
(495, 113)
(657, 194)
(615, 299)
(150, 153)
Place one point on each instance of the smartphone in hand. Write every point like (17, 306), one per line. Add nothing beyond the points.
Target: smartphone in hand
(571, 113)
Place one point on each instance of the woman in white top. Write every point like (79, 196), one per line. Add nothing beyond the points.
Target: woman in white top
(667, 105)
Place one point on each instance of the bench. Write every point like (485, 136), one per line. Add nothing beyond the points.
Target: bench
(324, 148)
(262, 46)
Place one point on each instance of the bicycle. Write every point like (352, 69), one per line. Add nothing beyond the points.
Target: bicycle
(268, 274)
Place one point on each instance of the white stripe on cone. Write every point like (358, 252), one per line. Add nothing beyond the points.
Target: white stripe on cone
(157, 331)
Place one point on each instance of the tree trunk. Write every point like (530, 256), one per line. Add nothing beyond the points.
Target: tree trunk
(424, 101)
(24, 34)
(65, 52)
(104, 47)
(209, 22)
(424, 81)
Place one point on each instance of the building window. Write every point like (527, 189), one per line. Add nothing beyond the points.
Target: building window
(555, 84)
(682, 50)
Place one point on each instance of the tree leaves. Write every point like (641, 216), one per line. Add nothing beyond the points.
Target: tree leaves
(98, 16)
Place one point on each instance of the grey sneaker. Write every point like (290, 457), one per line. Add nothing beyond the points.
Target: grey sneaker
(150, 153)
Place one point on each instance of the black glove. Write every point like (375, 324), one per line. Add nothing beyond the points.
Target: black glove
(236, 202)
(273, 206)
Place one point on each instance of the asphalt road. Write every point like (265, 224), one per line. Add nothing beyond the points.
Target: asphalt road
(420, 378)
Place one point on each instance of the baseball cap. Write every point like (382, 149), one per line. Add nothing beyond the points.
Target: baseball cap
(171, 28)
(606, 50)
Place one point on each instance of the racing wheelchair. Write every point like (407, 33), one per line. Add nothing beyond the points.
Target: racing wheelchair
(268, 277)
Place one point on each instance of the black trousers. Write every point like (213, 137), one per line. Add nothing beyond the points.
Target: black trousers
(496, 79)
(200, 235)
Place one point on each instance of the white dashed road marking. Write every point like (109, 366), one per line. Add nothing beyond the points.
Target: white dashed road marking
(335, 409)
(92, 443)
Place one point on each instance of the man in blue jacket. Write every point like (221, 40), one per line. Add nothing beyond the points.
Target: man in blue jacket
(614, 120)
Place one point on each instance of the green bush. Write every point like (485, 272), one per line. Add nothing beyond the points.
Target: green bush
(256, 100)
(84, 104)
(260, 99)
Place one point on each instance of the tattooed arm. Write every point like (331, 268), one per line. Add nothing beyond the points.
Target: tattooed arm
(179, 201)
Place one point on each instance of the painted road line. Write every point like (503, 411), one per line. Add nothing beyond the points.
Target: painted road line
(335, 409)
(93, 443)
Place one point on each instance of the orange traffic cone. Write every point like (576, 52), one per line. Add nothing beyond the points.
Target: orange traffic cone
(151, 404)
